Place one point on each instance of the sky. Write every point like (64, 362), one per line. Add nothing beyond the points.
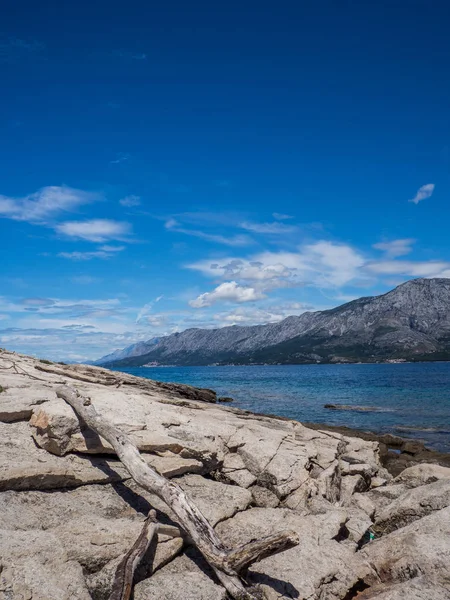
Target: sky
(199, 164)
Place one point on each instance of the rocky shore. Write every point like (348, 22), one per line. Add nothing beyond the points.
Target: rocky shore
(396, 453)
(70, 510)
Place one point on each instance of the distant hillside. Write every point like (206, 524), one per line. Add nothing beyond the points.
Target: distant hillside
(411, 322)
(134, 350)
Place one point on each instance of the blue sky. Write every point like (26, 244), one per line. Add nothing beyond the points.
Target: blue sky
(203, 165)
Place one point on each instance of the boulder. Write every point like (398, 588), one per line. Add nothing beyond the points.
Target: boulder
(421, 549)
(412, 505)
(264, 497)
(422, 474)
(235, 471)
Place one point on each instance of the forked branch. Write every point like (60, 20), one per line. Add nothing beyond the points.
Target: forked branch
(225, 562)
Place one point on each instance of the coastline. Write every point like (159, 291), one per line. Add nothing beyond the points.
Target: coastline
(396, 453)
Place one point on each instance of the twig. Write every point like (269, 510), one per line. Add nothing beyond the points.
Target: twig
(21, 371)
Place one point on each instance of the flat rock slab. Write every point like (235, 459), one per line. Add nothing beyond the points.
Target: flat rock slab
(172, 465)
(18, 403)
(413, 505)
(217, 501)
(35, 566)
(301, 571)
(182, 579)
(422, 474)
(23, 466)
(414, 589)
(93, 526)
(419, 549)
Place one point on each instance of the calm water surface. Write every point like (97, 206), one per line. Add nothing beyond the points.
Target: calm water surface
(412, 400)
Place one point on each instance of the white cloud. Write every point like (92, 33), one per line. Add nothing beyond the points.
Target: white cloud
(103, 252)
(269, 228)
(264, 266)
(171, 223)
(281, 216)
(120, 158)
(112, 248)
(322, 263)
(95, 230)
(229, 291)
(423, 192)
(69, 328)
(85, 255)
(130, 201)
(396, 247)
(145, 310)
(84, 279)
(45, 204)
(336, 264)
(232, 240)
(432, 268)
(243, 315)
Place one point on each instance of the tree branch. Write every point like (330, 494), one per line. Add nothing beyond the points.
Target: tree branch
(191, 520)
(123, 579)
(255, 551)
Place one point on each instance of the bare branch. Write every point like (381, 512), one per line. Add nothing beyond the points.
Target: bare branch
(255, 551)
(123, 580)
(191, 520)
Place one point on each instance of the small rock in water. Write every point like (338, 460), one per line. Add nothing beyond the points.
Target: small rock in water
(354, 408)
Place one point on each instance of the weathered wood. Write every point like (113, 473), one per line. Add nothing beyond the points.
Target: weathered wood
(169, 530)
(123, 579)
(245, 555)
(104, 380)
(188, 515)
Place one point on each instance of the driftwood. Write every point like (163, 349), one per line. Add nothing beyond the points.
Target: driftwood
(104, 380)
(123, 579)
(21, 371)
(225, 562)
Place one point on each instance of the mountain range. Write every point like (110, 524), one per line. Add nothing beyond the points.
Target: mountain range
(411, 322)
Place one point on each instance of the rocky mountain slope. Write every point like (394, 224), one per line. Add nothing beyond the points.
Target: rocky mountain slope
(410, 322)
(70, 510)
(138, 349)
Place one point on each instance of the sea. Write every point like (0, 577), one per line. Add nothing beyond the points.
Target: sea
(406, 399)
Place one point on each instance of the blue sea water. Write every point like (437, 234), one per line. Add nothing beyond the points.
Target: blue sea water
(411, 399)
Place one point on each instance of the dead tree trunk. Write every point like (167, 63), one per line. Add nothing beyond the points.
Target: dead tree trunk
(225, 562)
